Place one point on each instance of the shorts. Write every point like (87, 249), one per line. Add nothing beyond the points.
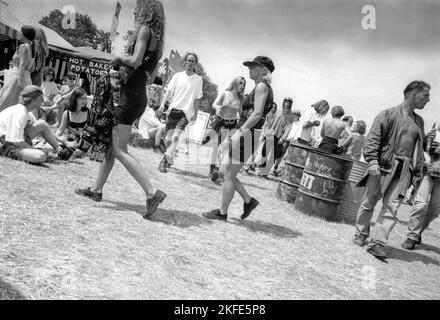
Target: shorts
(176, 120)
(246, 148)
(131, 107)
(225, 127)
(9, 150)
(330, 145)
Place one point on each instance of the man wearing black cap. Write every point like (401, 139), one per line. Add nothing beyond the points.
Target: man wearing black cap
(18, 127)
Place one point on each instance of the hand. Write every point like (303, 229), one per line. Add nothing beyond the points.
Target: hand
(374, 170)
(193, 120)
(161, 108)
(316, 123)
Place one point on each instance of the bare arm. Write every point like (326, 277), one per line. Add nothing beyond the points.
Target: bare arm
(261, 92)
(143, 38)
(25, 60)
(196, 109)
(63, 124)
(217, 105)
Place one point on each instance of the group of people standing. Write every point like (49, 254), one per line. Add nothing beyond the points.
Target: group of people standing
(243, 125)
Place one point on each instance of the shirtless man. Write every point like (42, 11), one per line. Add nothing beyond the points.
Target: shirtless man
(394, 152)
(331, 131)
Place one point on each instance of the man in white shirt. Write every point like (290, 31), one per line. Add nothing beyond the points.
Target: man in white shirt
(311, 123)
(18, 127)
(185, 88)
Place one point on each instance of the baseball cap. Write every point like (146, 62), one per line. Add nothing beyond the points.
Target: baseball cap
(261, 61)
(31, 91)
(288, 99)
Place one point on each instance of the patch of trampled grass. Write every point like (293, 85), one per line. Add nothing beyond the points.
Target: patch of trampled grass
(57, 245)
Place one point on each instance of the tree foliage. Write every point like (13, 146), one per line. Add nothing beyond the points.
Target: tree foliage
(210, 89)
(85, 34)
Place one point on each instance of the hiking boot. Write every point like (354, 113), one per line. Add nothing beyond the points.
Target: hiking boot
(409, 244)
(360, 240)
(215, 175)
(163, 165)
(377, 251)
(215, 215)
(153, 203)
(95, 196)
(248, 208)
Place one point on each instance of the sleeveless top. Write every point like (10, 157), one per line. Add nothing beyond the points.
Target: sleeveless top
(248, 104)
(76, 125)
(136, 85)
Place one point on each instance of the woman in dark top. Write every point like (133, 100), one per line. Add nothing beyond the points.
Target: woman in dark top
(242, 143)
(146, 52)
(75, 117)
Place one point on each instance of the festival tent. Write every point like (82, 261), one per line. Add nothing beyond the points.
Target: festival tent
(63, 57)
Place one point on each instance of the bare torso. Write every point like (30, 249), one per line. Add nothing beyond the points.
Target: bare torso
(408, 137)
(333, 128)
(230, 106)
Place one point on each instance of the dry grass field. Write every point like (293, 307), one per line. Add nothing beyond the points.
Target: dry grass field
(57, 245)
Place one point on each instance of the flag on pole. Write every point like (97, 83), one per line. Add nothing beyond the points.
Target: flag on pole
(115, 22)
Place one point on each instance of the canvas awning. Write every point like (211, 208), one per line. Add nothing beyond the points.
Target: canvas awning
(9, 24)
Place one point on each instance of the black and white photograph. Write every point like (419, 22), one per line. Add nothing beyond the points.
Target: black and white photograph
(220, 155)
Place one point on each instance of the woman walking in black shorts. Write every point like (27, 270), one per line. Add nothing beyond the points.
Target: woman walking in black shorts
(146, 53)
(243, 142)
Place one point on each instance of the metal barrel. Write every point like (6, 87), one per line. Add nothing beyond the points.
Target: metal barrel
(295, 161)
(352, 195)
(322, 184)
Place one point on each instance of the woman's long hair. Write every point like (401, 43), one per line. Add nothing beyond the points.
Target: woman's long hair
(233, 87)
(150, 13)
(41, 48)
(77, 93)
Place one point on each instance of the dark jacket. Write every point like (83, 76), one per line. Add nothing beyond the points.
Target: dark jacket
(383, 138)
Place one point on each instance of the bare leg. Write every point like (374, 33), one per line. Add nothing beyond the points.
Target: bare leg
(33, 155)
(231, 185)
(159, 134)
(41, 127)
(120, 137)
(174, 142)
(104, 170)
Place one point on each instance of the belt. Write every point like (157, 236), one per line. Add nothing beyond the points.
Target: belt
(229, 120)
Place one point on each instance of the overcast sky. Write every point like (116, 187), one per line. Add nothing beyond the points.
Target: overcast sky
(319, 47)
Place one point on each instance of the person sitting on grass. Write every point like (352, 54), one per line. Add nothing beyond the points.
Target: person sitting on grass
(74, 118)
(152, 129)
(18, 127)
(332, 130)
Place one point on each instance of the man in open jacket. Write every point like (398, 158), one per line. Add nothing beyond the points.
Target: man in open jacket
(394, 152)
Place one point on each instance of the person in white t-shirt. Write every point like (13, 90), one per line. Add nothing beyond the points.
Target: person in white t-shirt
(186, 90)
(311, 123)
(18, 126)
(150, 127)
